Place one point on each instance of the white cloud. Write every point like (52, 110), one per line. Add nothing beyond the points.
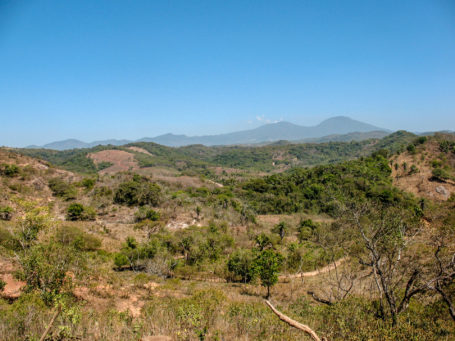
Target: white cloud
(262, 118)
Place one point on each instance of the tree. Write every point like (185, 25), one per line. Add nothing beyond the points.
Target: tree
(281, 229)
(138, 191)
(385, 233)
(241, 265)
(45, 268)
(263, 241)
(268, 264)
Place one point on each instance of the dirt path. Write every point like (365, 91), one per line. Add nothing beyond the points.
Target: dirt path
(325, 269)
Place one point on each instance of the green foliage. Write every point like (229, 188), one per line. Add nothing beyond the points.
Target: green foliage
(268, 263)
(146, 213)
(306, 229)
(7, 240)
(413, 170)
(63, 189)
(241, 266)
(44, 268)
(9, 170)
(103, 165)
(120, 260)
(78, 211)
(281, 229)
(440, 174)
(34, 221)
(132, 253)
(2, 285)
(411, 148)
(76, 238)
(320, 188)
(6, 213)
(263, 241)
(447, 146)
(138, 191)
(74, 160)
(88, 183)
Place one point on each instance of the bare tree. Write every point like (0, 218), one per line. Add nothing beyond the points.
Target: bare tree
(385, 234)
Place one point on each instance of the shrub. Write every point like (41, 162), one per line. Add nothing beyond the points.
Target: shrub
(2, 285)
(62, 189)
(6, 213)
(413, 170)
(78, 211)
(88, 183)
(440, 174)
(9, 170)
(411, 149)
(45, 268)
(75, 237)
(120, 260)
(7, 240)
(137, 192)
(420, 140)
(241, 266)
(147, 213)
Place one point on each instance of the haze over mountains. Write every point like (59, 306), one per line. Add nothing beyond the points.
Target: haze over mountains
(338, 128)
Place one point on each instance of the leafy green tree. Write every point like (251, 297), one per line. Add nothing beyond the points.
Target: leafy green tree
(263, 241)
(268, 263)
(242, 266)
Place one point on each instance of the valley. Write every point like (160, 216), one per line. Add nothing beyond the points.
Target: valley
(186, 242)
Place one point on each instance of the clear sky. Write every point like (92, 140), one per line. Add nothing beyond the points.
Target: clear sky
(128, 69)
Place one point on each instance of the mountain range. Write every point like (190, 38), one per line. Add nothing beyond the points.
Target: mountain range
(339, 128)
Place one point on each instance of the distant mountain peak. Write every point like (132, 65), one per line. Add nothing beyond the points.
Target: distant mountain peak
(270, 132)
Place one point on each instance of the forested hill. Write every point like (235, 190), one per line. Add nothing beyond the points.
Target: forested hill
(199, 158)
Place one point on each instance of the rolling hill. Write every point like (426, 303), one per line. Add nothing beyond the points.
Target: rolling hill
(332, 129)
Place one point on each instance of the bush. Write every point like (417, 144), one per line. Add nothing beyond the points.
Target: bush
(78, 211)
(137, 192)
(2, 285)
(6, 213)
(411, 149)
(75, 237)
(440, 174)
(120, 260)
(241, 266)
(45, 268)
(7, 240)
(146, 213)
(88, 183)
(62, 189)
(9, 170)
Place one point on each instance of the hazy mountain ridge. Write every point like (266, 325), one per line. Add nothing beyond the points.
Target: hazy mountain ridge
(331, 129)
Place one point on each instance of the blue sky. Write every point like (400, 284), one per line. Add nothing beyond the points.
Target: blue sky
(127, 69)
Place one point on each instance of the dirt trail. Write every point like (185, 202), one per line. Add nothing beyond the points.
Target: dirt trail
(325, 269)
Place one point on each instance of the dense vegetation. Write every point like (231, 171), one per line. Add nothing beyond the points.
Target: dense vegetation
(198, 158)
(124, 256)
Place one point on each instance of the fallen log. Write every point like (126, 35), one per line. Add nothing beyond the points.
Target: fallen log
(294, 323)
